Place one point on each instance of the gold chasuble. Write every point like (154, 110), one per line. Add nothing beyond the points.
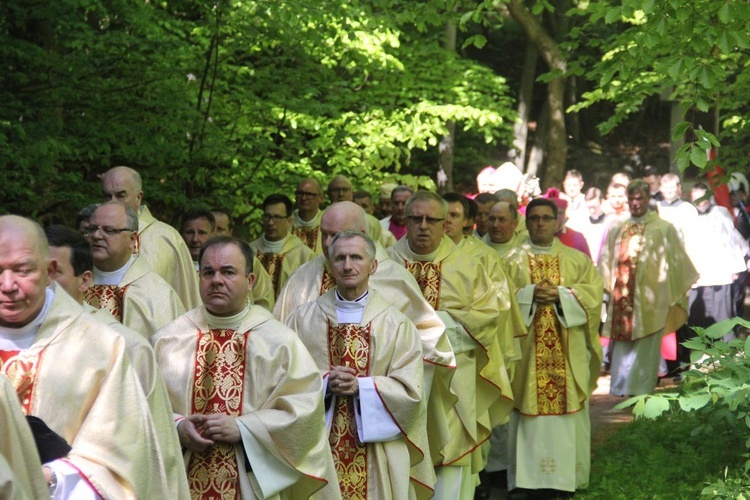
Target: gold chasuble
(308, 235)
(623, 293)
(349, 345)
(107, 297)
(648, 274)
(218, 388)
(459, 286)
(262, 375)
(128, 463)
(168, 255)
(383, 348)
(281, 265)
(142, 301)
(548, 351)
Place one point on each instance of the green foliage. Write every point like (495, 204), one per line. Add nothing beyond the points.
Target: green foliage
(696, 52)
(222, 103)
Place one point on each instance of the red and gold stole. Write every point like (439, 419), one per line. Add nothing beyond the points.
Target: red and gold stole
(349, 345)
(308, 235)
(109, 297)
(327, 283)
(21, 370)
(272, 263)
(427, 275)
(623, 293)
(217, 388)
(548, 350)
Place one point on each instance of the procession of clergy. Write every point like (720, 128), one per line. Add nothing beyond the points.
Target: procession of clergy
(336, 356)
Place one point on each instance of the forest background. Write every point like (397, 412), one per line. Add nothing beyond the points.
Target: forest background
(220, 103)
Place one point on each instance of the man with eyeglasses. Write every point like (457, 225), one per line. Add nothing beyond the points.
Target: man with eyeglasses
(560, 295)
(340, 189)
(279, 251)
(463, 295)
(124, 283)
(159, 243)
(306, 217)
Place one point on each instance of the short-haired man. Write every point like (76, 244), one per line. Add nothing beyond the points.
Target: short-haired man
(560, 294)
(197, 227)
(384, 202)
(124, 283)
(47, 342)
(74, 274)
(680, 213)
(396, 221)
(468, 303)
(364, 200)
(306, 217)
(279, 251)
(224, 224)
(652, 177)
(340, 189)
(577, 211)
(617, 200)
(399, 288)
(371, 358)
(159, 243)
(484, 203)
(245, 391)
(647, 276)
(501, 236)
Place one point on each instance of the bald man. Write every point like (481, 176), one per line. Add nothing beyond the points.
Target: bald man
(161, 244)
(47, 342)
(340, 189)
(306, 217)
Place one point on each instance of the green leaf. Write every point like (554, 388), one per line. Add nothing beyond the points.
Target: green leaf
(724, 13)
(655, 406)
(613, 14)
(679, 131)
(477, 40)
(694, 402)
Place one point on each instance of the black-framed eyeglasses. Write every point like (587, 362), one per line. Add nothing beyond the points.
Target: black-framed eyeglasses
(305, 194)
(275, 218)
(418, 219)
(543, 218)
(108, 231)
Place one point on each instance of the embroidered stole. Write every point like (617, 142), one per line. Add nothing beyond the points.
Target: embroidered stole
(349, 345)
(308, 235)
(272, 262)
(109, 297)
(327, 283)
(137, 245)
(21, 370)
(427, 275)
(217, 388)
(623, 293)
(548, 349)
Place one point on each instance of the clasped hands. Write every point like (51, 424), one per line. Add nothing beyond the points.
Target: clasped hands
(545, 293)
(342, 381)
(200, 432)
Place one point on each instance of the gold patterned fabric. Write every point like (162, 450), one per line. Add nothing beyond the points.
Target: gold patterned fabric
(308, 235)
(349, 345)
(276, 394)
(272, 264)
(217, 388)
(21, 370)
(549, 355)
(107, 297)
(327, 283)
(427, 275)
(384, 347)
(661, 279)
(623, 292)
(90, 387)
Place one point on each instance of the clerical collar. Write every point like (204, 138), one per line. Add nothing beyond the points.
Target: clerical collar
(297, 220)
(502, 246)
(197, 265)
(542, 250)
(274, 246)
(422, 258)
(18, 339)
(350, 311)
(112, 277)
(227, 322)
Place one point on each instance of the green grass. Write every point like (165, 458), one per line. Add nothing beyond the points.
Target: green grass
(660, 459)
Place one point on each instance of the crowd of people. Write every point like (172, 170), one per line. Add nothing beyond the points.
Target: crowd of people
(447, 346)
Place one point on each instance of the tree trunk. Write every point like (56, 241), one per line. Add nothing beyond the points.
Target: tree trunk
(557, 140)
(521, 127)
(445, 148)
